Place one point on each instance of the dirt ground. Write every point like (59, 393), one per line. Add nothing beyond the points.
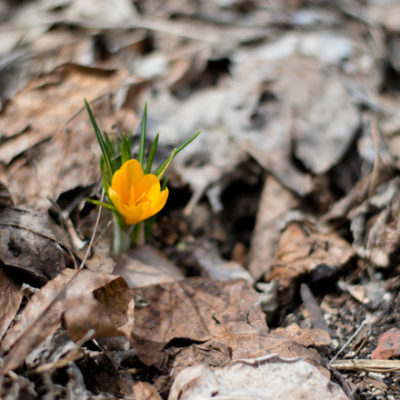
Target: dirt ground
(273, 270)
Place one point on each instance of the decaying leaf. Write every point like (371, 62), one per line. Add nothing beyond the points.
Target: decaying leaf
(275, 203)
(5, 196)
(101, 302)
(146, 266)
(31, 245)
(215, 310)
(306, 337)
(304, 249)
(49, 112)
(145, 391)
(10, 300)
(266, 378)
(112, 314)
(216, 268)
(375, 225)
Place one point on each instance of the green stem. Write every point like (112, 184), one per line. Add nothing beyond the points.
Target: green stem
(137, 237)
(120, 238)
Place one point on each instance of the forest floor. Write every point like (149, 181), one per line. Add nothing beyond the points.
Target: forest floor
(273, 271)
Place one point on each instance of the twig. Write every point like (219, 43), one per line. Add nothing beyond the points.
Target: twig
(348, 342)
(367, 365)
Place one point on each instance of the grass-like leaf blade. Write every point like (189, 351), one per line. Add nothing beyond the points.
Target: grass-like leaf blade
(142, 138)
(125, 149)
(100, 203)
(151, 155)
(100, 139)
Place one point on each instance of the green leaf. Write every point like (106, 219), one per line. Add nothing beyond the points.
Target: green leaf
(136, 233)
(99, 139)
(159, 172)
(180, 148)
(100, 204)
(152, 152)
(111, 152)
(148, 227)
(125, 149)
(142, 138)
(105, 180)
(164, 184)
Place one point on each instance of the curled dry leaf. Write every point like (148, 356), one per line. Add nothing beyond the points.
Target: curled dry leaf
(303, 249)
(31, 245)
(43, 314)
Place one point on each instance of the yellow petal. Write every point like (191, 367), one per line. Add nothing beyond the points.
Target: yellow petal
(135, 214)
(162, 199)
(136, 196)
(115, 199)
(145, 184)
(134, 172)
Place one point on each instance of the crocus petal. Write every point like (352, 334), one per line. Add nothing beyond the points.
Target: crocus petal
(145, 184)
(161, 201)
(133, 215)
(115, 199)
(134, 172)
(136, 195)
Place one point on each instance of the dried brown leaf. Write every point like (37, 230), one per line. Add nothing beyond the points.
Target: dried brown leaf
(144, 266)
(32, 245)
(101, 302)
(50, 112)
(306, 337)
(10, 301)
(275, 203)
(304, 249)
(145, 391)
(264, 378)
(42, 315)
(213, 309)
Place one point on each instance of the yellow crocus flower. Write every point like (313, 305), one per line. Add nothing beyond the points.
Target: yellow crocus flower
(136, 195)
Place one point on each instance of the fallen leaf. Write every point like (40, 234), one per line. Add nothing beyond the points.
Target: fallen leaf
(214, 309)
(264, 378)
(306, 337)
(5, 196)
(49, 114)
(145, 391)
(43, 314)
(374, 225)
(145, 266)
(101, 302)
(216, 268)
(31, 245)
(10, 301)
(274, 204)
(304, 249)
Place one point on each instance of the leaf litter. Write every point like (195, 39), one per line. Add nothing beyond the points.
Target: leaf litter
(278, 251)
